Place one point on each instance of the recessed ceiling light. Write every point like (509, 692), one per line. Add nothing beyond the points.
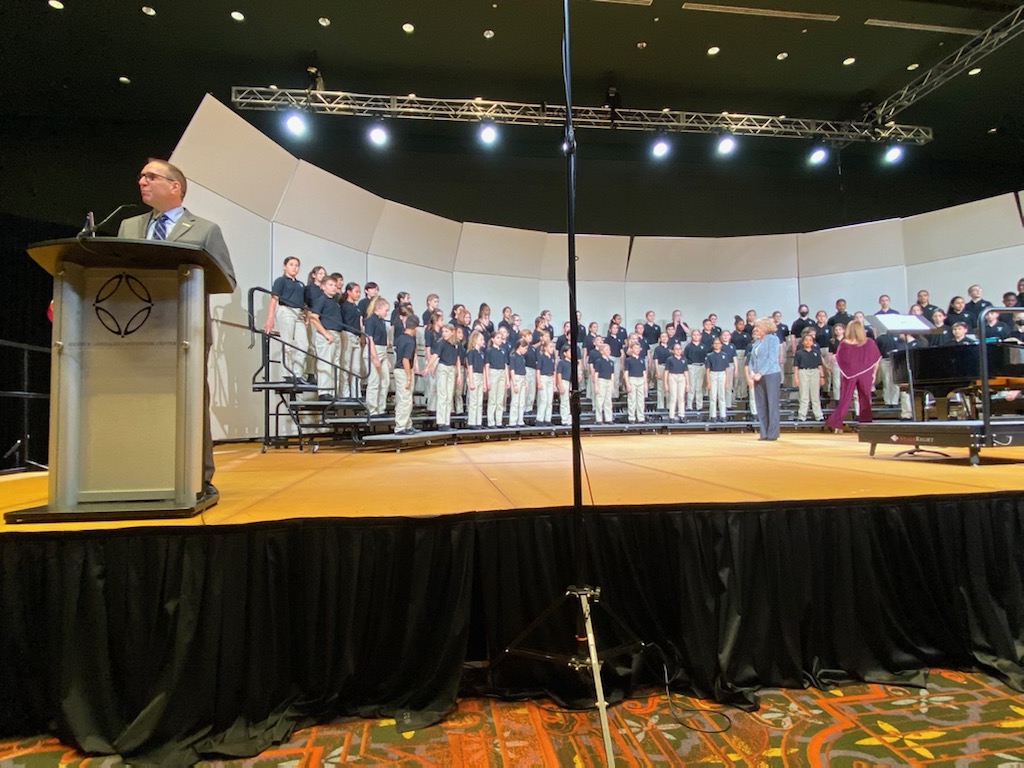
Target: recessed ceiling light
(408, 28)
(57, 5)
(975, 71)
(713, 50)
(912, 67)
(803, 31)
(782, 56)
(123, 80)
(993, 129)
(641, 45)
(323, 21)
(238, 16)
(848, 61)
(488, 33)
(656, 19)
(149, 10)
(494, 5)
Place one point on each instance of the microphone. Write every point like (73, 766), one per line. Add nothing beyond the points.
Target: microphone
(90, 225)
(90, 228)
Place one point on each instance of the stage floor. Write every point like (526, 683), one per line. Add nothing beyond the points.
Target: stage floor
(526, 474)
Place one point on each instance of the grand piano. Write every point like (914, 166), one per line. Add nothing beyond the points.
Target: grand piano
(942, 372)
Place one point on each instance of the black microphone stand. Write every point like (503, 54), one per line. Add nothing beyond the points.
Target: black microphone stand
(586, 595)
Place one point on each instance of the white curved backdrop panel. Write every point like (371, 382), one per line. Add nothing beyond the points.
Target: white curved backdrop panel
(271, 205)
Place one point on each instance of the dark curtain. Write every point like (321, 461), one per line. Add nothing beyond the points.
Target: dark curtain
(162, 645)
(733, 599)
(166, 644)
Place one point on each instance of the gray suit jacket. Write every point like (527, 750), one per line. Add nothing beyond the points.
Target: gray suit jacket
(188, 229)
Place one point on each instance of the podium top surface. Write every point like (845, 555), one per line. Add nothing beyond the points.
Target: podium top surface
(122, 253)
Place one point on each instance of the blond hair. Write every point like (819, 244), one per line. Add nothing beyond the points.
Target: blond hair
(855, 333)
(766, 324)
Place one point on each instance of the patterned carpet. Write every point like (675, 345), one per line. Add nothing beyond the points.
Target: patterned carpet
(960, 719)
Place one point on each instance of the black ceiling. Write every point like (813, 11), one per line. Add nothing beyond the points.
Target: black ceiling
(57, 63)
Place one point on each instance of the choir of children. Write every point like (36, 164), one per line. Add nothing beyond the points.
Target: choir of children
(518, 371)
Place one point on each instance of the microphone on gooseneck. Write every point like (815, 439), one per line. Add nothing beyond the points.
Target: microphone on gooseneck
(91, 228)
(90, 225)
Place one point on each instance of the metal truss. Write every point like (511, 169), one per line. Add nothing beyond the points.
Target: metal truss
(511, 113)
(961, 60)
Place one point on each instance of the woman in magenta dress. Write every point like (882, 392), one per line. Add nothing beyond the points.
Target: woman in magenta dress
(857, 358)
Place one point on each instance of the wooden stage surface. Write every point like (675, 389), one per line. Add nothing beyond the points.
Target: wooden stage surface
(623, 469)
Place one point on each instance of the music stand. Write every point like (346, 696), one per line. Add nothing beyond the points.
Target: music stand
(910, 325)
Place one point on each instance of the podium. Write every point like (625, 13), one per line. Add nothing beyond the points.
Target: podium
(127, 378)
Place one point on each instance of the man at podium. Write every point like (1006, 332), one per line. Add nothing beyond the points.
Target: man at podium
(162, 186)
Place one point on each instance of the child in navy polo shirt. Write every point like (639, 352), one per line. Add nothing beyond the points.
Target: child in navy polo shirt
(545, 381)
(634, 372)
(695, 353)
(287, 311)
(659, 354)
(517, 366)
(378, 365)
(677, 380)
(496, 374)
(810, 376)
(448, 370)
(604, 370)
(716, 364)
(405, 372)
(477, 384)
(563, 383)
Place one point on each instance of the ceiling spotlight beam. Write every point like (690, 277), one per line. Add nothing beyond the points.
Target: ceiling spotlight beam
(512, 113)
(958, 62)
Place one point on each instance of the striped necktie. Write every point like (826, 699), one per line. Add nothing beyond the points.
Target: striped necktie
(160, 228)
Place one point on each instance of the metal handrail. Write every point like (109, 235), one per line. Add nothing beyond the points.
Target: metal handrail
(22, 445)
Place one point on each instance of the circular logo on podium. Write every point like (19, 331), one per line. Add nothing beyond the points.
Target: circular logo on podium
(123, 304)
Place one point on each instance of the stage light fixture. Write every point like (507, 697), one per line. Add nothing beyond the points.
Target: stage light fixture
(488, 133)
(296, 124)
(726, 144)
(314, 78)
(378, 135)
(893, 154)
(660, 148)
(818, 155)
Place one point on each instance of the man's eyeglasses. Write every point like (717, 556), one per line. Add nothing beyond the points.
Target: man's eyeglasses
(150, 177)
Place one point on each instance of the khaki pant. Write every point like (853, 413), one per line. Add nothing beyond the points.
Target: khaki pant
(378, 382)
(329, 353)
(635, 410)
(809, 381)
(496, 397)
(350, 363)
(403, 399)
(695, 396)
(475, 405)
(545, 398)
(716, 394)
(676, 395)
(517, 401)
(445, 375)
(291, 327)
(603, 401)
